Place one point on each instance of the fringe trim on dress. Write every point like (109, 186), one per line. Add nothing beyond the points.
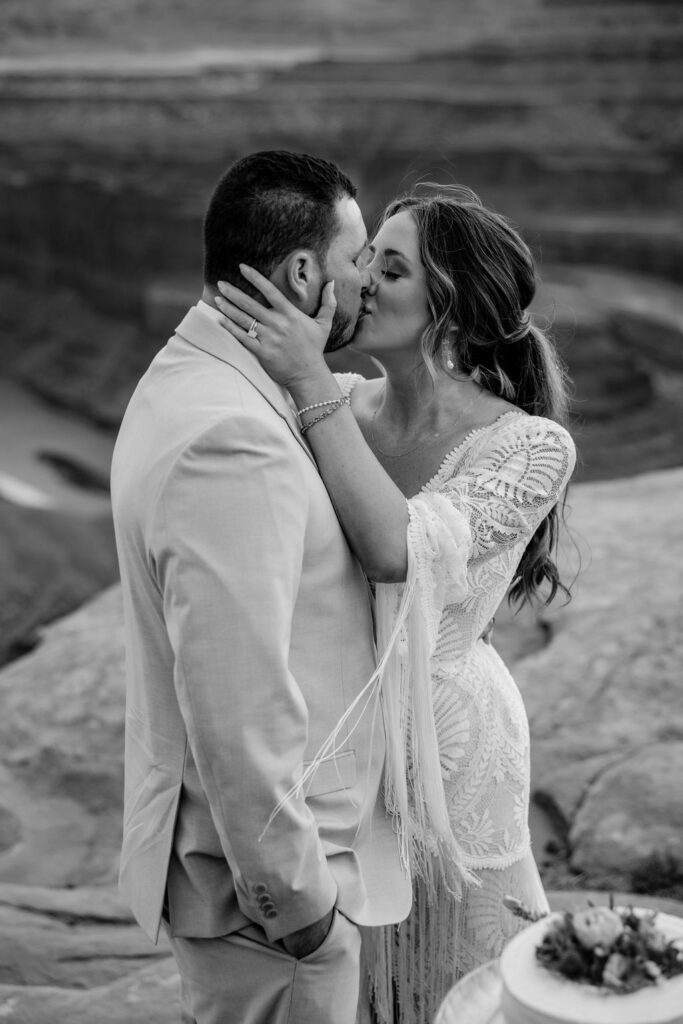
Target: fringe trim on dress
(411, 966)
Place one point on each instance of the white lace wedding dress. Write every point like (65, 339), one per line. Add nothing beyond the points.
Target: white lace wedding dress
(457, 731)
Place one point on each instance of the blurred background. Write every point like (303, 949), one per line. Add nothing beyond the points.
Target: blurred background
(116, 119)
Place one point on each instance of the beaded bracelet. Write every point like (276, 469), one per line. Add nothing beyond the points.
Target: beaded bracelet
(345, 400)
(318, 405)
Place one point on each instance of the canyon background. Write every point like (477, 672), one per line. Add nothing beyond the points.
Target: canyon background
(116, 120)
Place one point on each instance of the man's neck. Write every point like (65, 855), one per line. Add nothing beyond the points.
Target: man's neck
(209, 293)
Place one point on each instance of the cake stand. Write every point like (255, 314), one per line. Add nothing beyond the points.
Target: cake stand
(475, 999)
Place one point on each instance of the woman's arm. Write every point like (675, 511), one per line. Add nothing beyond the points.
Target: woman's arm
(289, 345)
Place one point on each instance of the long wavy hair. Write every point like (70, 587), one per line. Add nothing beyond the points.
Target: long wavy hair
(481, 279)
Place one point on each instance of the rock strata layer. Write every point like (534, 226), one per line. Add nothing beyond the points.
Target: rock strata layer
(76, 955)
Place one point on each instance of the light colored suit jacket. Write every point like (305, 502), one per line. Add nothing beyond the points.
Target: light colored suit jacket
(248, 631)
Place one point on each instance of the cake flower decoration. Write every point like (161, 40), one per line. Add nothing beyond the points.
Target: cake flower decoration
(598, 926)
(618, 949)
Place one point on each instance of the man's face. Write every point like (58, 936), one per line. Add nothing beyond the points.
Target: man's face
(346, 262)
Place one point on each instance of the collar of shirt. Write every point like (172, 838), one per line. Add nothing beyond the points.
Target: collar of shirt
(208, 310)
(215, 314)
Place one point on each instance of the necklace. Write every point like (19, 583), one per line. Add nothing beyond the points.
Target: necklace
(420, 444)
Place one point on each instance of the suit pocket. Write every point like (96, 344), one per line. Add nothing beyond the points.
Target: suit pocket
(342, 942)
(333, 773)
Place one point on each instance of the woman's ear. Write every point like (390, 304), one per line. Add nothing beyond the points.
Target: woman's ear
(303, 279)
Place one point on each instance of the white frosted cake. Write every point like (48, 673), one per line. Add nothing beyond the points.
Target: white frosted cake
(535, 994)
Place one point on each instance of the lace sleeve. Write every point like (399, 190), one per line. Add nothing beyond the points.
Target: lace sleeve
(440, 544)
(489, 505)
(509, 487)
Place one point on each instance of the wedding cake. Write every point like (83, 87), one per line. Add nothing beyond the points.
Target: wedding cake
(599, 966)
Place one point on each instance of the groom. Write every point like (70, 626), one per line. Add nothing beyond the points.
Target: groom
(248, 632)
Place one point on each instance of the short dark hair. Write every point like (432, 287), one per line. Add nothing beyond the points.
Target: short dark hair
(265, 206)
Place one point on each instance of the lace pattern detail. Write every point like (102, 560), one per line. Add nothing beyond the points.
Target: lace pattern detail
(347, 381)
(441, 555)
(468, 529)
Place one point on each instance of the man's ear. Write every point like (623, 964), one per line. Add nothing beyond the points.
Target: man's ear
(301, 279)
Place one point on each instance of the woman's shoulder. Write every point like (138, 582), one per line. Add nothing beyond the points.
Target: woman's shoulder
(534, 443)
(521, 422)
(540, 431)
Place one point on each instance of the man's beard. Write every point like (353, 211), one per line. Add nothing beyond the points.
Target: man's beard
(341, 332)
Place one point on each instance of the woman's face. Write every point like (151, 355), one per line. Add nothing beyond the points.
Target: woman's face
(394, 311)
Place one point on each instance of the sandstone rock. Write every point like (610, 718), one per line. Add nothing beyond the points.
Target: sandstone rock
(561, 792)
(38, 949)
(605, 689)
(50, 564)
(632, 813)
(604, 696)
(98, 904)
(147, 996)
(78, 955)
(61, 736)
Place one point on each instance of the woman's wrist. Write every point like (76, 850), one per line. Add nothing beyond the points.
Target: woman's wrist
(317, 386)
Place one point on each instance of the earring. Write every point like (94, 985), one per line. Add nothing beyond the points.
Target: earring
(447, 353)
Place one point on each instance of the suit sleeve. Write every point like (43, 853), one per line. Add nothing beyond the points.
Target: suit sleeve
(233, 515)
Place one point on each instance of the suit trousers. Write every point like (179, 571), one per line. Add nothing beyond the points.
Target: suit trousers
(243, 978)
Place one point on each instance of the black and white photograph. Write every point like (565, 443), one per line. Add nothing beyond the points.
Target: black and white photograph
(341, 546)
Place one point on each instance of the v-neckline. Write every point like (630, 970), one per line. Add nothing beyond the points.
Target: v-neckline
(450, 456)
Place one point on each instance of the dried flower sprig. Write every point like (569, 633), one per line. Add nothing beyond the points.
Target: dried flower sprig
(520, 909)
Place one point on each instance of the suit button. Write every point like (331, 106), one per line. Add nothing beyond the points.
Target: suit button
(259, 888)
(270, 913)
(263, 898)
(266, 906)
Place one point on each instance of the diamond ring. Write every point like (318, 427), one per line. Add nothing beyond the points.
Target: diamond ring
(253, 328)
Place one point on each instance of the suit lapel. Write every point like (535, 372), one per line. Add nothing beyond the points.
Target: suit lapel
(206, 334)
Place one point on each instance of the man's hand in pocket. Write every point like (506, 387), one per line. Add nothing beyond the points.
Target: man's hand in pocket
(307, 940)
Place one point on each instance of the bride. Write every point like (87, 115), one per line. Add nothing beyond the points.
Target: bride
(446, 475)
